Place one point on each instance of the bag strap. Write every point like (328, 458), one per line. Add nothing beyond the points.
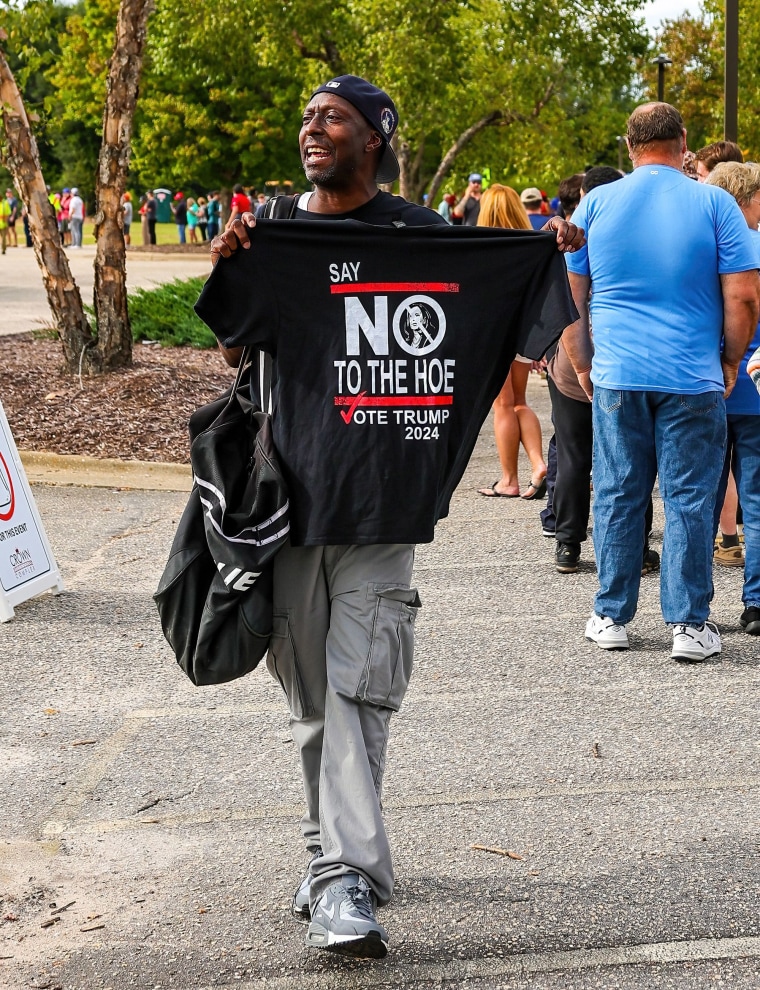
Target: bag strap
(280, 208)
(261, 366)
(264, 375)
(245, 357)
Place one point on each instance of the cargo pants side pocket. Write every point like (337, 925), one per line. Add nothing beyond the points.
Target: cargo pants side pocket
(388, 665)
(282, 663)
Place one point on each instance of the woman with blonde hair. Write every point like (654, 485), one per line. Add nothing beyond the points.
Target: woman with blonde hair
(514, 422)
(500, 206)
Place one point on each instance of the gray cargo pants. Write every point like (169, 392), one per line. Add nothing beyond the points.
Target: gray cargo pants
(342, 651)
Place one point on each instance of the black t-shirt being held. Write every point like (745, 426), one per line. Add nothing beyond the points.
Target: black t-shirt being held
(390, 344)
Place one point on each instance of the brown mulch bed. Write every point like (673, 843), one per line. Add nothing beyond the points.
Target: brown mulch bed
(138, 413)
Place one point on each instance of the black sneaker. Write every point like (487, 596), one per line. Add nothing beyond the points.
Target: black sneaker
(651, 562)
(299, 906)
(567, 556)
(343, 920)
(749, 620)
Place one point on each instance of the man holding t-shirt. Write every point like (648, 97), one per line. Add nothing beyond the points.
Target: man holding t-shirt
(343, 601)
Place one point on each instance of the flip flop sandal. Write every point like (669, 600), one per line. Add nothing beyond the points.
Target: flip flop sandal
(492, 493)
(537, 490)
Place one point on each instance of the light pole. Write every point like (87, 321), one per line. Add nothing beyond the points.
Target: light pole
(731, 80)
(661, 61)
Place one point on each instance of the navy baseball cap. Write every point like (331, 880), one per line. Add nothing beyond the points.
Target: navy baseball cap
(377, 108)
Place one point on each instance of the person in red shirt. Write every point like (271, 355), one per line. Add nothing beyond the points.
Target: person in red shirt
(240, 204)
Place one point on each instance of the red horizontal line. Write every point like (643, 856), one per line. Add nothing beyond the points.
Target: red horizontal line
(396, 400)
(346, 288)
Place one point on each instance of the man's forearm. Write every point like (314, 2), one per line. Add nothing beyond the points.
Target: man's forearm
(458, 210)
(741, 310)
(232, 355)
(576, 338)
(738, 331)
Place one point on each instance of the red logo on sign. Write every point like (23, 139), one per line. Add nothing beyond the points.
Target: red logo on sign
(6, 492)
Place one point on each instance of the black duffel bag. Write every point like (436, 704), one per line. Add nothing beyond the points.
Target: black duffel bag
(215, 595)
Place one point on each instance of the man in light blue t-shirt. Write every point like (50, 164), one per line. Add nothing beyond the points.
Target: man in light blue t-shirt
(673, 271)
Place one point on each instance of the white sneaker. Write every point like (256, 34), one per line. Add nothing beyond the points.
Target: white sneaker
(694, 643)
(600, 629)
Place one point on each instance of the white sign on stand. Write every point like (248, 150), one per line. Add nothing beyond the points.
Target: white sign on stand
(27, 565)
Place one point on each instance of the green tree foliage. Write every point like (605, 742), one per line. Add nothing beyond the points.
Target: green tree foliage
(545, 82)
(529, 90)
(213, 111)
(694, 82)
(558, 73)
(79, 80)
(34, 29)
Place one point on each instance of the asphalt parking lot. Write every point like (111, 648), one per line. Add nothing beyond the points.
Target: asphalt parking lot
(561, 817)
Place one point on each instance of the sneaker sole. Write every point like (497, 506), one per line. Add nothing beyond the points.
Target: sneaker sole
(607, 645)
(684, 657)
(369, 946)
(567, 568)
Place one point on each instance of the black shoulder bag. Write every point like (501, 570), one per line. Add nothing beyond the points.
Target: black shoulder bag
(215, 595)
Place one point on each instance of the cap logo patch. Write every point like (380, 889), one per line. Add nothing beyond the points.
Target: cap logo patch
(332, 85)
(386, 119)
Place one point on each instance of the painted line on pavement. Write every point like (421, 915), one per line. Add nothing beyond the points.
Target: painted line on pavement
(63, 813)
(218, 815)
(570, 961)
(225, 711)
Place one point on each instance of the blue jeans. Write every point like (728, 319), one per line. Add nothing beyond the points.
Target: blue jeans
(636, 436)
(744, 458)
(76, 231)
(181, 232)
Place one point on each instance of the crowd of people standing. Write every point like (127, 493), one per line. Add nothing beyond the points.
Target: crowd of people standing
(642, 389)
(196, 219)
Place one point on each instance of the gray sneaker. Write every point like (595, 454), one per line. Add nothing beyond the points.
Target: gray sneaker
(343, 920)
(299, 906)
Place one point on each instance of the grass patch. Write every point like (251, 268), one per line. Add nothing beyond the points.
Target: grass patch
(166, 314)
(166, 233)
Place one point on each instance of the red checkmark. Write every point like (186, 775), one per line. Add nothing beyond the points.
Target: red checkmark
(349, 414)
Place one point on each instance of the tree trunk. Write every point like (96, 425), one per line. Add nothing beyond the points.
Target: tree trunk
(495, 116)
(23, 161)
(499, 118)
(114, 346)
